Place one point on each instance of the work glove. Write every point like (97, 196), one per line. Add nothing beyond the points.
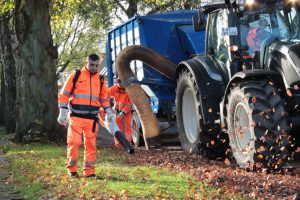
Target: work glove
(121, 114)
(63, 116)
(109, 115)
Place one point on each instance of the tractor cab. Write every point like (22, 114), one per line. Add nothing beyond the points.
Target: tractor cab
(239, 31)
(251, 69)
(263, 22)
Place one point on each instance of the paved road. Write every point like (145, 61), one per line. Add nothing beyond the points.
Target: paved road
(7, 190)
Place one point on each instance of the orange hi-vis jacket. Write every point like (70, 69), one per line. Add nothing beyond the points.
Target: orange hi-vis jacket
(122, 101)
(88, 95)
(251, 38)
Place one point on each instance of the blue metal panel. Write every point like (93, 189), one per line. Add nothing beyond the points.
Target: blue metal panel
(192, 42)
(109, 58)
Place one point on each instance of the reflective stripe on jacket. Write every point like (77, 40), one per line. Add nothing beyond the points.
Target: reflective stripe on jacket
(88, 95)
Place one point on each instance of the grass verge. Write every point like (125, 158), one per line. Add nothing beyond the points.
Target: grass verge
(40, 173)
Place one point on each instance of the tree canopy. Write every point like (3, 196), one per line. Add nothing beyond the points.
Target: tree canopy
(68, 31)
(80, 27)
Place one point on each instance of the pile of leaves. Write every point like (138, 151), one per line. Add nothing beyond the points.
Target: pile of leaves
(230, 178)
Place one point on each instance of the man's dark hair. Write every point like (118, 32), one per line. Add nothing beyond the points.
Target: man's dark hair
(93, 57)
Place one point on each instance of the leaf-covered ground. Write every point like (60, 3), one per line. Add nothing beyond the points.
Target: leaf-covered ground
(230, 179)
(39, 172)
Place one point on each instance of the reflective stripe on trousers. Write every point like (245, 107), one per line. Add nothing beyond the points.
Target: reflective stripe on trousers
(76, 128)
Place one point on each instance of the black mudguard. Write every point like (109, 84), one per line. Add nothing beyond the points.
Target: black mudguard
(211, 84)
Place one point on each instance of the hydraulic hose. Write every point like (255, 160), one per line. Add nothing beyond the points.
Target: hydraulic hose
(137, 95)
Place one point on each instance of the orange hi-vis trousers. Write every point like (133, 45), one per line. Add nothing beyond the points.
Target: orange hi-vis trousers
(124, 125)
(77, 127)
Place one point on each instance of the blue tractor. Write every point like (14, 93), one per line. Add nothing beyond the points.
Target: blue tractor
(240, 93)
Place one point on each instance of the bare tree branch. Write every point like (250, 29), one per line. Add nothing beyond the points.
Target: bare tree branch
(121, 6)
(67, 39)
(64, 66)
(63, 30)
(116, 15)
(75, 33)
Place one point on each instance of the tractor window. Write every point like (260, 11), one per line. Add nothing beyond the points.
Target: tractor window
(218, 42)
(267, 21)
(295, 19)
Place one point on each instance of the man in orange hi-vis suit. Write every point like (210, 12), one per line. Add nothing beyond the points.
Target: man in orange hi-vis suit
(257, 35)
(84, 100)
(123, 108)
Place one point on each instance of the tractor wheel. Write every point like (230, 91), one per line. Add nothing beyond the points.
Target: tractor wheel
(193, 139)
(137, 133)
(257, 125)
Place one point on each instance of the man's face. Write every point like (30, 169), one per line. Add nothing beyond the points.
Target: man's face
(92, 66)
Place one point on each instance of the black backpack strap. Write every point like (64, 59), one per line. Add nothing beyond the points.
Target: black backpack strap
(77, 74)
(101, 77)
(102, 81)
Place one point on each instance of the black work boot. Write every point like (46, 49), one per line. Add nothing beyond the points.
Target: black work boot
(73, 175)
(92, 176)
(130, 151)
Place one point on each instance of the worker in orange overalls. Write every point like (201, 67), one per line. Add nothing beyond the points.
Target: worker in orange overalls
(257, 35)
(122, 108)
(84, 101)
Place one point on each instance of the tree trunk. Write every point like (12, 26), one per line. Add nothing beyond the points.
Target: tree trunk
(9, 73)
(132, 8)
(2, 97)
(191, 4)
(36, 67)
(187, 4)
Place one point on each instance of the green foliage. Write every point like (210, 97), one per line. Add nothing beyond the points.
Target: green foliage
(126, 7)
(79, 28)
(6, 6)
(41, 174)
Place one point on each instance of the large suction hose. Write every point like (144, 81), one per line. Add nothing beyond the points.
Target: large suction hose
(137, 95)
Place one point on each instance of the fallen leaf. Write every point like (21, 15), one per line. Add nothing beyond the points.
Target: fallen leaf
(260, 156)
(254, 99)
(226, 161)
(289, 93)
(261, 149)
